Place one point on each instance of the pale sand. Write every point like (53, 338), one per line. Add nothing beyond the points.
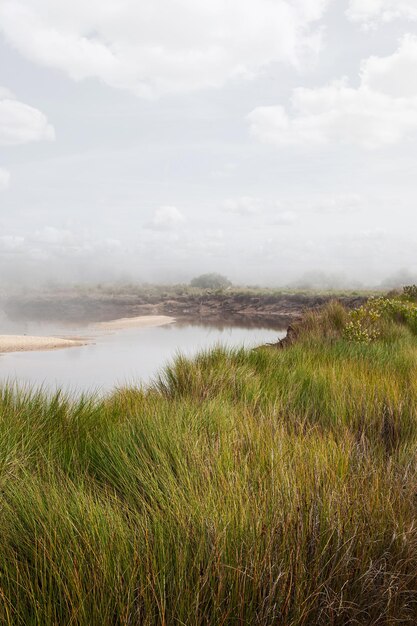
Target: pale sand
(26, 343)
(145, 321)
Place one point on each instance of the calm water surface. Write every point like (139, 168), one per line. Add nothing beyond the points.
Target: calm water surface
(130, 356)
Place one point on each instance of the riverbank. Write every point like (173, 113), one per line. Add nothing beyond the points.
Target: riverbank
(251, 307)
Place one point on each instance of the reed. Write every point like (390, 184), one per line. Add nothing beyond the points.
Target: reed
(273, 486)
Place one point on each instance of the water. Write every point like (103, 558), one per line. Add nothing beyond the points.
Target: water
(124, 357)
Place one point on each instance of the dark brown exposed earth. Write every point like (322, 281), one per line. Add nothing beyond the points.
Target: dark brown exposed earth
(246, 309)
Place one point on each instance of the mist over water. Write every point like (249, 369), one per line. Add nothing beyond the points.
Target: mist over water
(52, 277)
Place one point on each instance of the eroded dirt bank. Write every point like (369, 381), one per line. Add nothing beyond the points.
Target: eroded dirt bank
(275, 311)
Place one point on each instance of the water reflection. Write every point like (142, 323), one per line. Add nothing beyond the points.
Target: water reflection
(131, 356)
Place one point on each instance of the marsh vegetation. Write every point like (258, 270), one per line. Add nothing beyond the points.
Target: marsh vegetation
(268, 486)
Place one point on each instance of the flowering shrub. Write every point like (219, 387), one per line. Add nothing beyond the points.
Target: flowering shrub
(366, 324)
(354, 331)
(362, 326)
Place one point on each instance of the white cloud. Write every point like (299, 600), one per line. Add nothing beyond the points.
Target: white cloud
(166, 218)
(5, 93)
(270, 211)
(21, 123)
(50, 242)
(369, 11)
(245, 205)
(162, 46)
(4, 179)
(336, 114)
(381, 111)
(10, 243)
(339, 204)
(394, 75)
(284, 218)
(51, 236)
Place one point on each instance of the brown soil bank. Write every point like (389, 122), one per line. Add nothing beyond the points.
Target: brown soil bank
(276, 310)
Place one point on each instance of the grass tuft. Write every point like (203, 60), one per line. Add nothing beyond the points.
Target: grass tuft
(245, 487)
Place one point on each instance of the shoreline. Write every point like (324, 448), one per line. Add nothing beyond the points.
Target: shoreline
(252, 307)
(33, 343)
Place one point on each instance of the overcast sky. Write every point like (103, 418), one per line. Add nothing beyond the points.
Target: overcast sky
(158, 139)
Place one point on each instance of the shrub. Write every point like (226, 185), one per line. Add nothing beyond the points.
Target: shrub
(410, 293)
(363, 325)
(372, 320)
(210, 281)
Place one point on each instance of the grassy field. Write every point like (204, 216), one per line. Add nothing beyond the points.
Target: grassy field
(159, 292)
(273, 487)
(185, 290)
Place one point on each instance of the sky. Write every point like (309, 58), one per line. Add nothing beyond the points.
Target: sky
(274, 141)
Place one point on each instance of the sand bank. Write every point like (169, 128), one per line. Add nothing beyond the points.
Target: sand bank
(144, 321)
(25, 343)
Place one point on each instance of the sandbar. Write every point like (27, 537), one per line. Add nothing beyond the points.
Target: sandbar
(144, 321)
(25, 343)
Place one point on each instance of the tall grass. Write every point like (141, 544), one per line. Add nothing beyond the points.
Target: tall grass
(274, 486)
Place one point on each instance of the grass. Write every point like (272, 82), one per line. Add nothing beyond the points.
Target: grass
(274, 486)
(156, 293)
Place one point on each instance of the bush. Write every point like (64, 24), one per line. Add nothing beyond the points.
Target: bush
(410, 293)
(372, 321)
(211, 281)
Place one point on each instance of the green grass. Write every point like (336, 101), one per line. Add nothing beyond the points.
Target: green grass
(272, 487)
(161, 292)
